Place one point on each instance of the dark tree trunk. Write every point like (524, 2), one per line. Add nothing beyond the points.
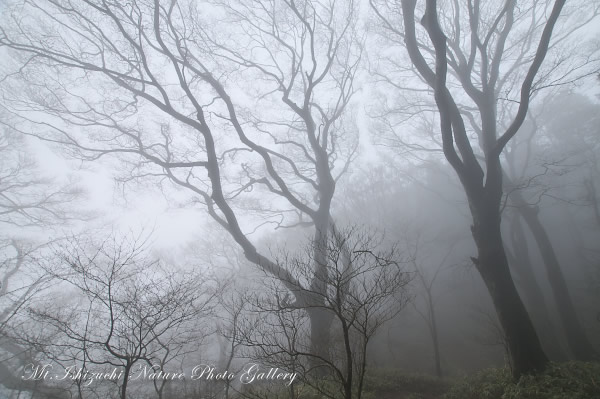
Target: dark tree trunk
(522, 341)
(320, 327)
(483, 182)
(525, 350)
(532, 292)
(576, 338)
(125, 380)
(321, 318)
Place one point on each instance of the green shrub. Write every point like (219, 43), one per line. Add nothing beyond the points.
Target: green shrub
(570, 380)
(381, 381)
(486, 384)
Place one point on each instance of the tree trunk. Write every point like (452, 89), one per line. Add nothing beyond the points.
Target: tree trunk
(125, 380)
(577, 340)
(320, 331)
(321, 319)
(532, 292)
(434, 336)
(523, 344)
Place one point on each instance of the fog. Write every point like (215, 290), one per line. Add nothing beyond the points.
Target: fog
(299, 199)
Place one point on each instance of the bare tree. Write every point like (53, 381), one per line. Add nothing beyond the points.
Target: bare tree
(22, 282)
(127, 313)
(113, 64)
(366, 286)
(233, 325)
(528, 184)
(474, 66)
(427, 280)
(26, 199)
(30, 207)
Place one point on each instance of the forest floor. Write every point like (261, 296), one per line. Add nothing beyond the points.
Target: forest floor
(411, 395)
(395, 384)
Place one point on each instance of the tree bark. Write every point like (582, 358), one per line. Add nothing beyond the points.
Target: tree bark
(532, 292)
(523, 344)
(320, 326)
(125, 380)
(577, 340)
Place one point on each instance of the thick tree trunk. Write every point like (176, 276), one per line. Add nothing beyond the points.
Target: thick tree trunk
(532, 292)
(523, 344)
(576, 338)
(320, 318)
(320, 331)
